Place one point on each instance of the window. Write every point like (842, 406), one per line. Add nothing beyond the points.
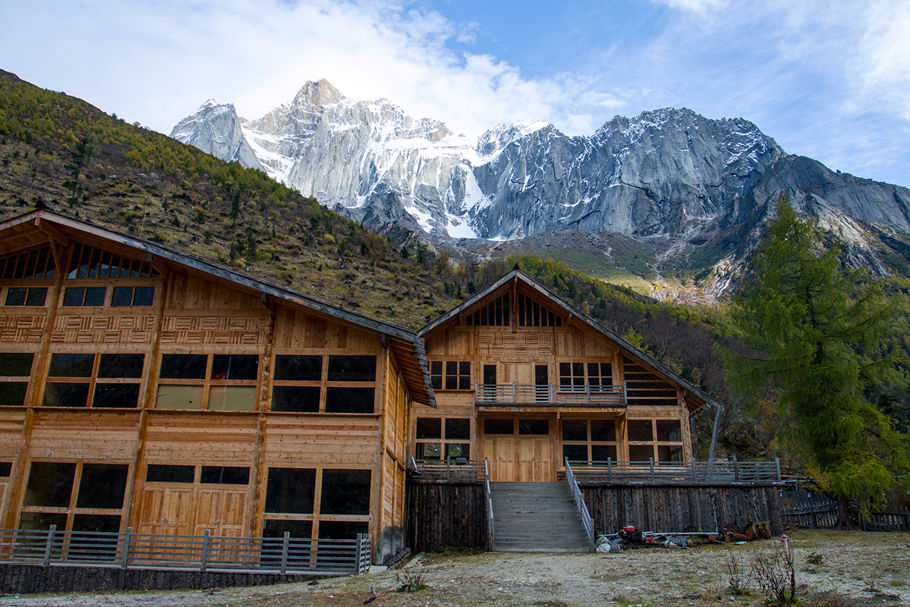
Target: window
(74, 496)
(432, 444)
(225, 475)
(217, 382)
(493, 314)
(159, 473)
(84, 296)
(589, 440)
(659, 439)
(341, 511)
(498, 426)
(450, 375)
(324, 383)
(133, 296)
(577, 376)
(34, 264)
(96, 380)
(26, 296)
(89, 262)
(15, 371)
(533, 314)
(533, 426)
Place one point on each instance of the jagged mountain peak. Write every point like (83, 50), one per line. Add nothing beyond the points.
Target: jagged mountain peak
(321, 92)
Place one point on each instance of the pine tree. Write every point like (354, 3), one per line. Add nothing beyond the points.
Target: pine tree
(806, 319)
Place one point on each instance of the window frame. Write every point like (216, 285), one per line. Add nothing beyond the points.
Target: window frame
(582, 382)
(655, 443)
(440, 373)
(442, 442)
(20, 379)
(324, 384)
(93, 380)
(589, 443)
(207, 383)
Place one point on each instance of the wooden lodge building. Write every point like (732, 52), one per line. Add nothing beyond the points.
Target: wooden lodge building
(146, 389)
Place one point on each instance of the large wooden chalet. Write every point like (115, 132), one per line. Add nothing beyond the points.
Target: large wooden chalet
(143, 388)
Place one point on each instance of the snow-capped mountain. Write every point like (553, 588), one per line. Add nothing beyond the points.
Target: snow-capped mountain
(668, 174)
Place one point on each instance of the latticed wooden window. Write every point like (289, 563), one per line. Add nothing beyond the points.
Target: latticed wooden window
(534, 314)
(660, 439)
(589, 440)
(450, 374)
(442, 438)
(496, 313)
(81, 379)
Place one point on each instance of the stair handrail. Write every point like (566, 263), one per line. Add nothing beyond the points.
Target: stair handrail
(489, 496)
(580, 504)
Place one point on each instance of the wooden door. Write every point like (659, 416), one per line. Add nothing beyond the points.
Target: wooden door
(167, 511)
(221, 511)
(500, 453)
(535, 463)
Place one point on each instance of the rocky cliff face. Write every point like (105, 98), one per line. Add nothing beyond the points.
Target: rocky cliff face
(668, 174)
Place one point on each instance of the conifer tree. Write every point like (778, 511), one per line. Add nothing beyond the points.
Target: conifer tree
(806, 320)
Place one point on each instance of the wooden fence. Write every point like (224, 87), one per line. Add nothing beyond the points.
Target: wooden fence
(818, 511)
(676, 472)
(201, 553)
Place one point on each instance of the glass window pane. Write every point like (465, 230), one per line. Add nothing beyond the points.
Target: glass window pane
(669, 430)
(116, 395)
(49, 484)
(640, 453)
(600, 453)
(498, 426)
(102, 486)
(436, 367)
(71, 365)
(73, 296)
(436, 382)
(290, 490)
(454, 450)
(36, 296)
(341, 530)
(451, 367)
(300, 368)
(16, 364)
(464, 368)
(121, 365)
(303, 399)
(349, 400)
(458, 428)
(428, 451)
(15, 296)
(298, 529)
(235, 366)
(533, 426)
(429, 427)
(640, 430)
(94, 296)
(603, 430)
(451, 382)
(668, 453)
(225, 475)
(144, 296)
(97, 522)
(575, 452)
(574, 429)
(352, 368)
(232, 398)
(158, 473)
(65, 395)
(179, 397)
(345, 492)
(183, 366)
(12, 394)
(122, 296)
(42, 521)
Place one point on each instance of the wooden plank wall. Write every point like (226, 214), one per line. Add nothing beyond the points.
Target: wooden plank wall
(446, 513)
(669, 508)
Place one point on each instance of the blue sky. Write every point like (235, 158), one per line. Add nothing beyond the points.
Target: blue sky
(826, 79)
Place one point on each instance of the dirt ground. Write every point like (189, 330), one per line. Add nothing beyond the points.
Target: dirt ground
(835, 569)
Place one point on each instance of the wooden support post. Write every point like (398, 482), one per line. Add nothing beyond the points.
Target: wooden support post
(735, 469)
(652, 469)
(777, 465)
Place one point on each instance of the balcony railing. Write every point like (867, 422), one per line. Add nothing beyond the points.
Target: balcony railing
(678, 472)
(548, 395)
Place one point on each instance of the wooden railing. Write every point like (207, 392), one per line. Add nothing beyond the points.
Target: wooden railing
(580, 504)
(699, 472)
(546, 395)
(455, 469)
(196, 552)
(489, 496)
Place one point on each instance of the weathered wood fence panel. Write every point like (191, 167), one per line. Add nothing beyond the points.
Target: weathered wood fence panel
(447, 513)
(891, 519)
(677, 507)
(808, 511)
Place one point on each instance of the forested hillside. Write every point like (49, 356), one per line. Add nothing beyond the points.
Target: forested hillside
(59, 151)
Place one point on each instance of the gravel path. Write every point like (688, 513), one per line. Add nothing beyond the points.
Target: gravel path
(858, 568)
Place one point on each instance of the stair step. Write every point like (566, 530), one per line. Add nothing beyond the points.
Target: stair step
(536, 517)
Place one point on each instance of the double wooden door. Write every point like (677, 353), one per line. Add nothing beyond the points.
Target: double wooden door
(520, 456)
(193, 510)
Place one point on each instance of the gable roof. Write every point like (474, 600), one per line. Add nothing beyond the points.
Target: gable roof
(40, 226)
(699, 395)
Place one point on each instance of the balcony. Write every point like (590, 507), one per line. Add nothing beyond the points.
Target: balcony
(549, 395)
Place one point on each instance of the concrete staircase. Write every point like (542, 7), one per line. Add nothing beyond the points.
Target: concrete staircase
(536, 517)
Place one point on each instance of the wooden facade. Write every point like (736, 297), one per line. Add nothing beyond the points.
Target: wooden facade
(525, 381)
(143, 388)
